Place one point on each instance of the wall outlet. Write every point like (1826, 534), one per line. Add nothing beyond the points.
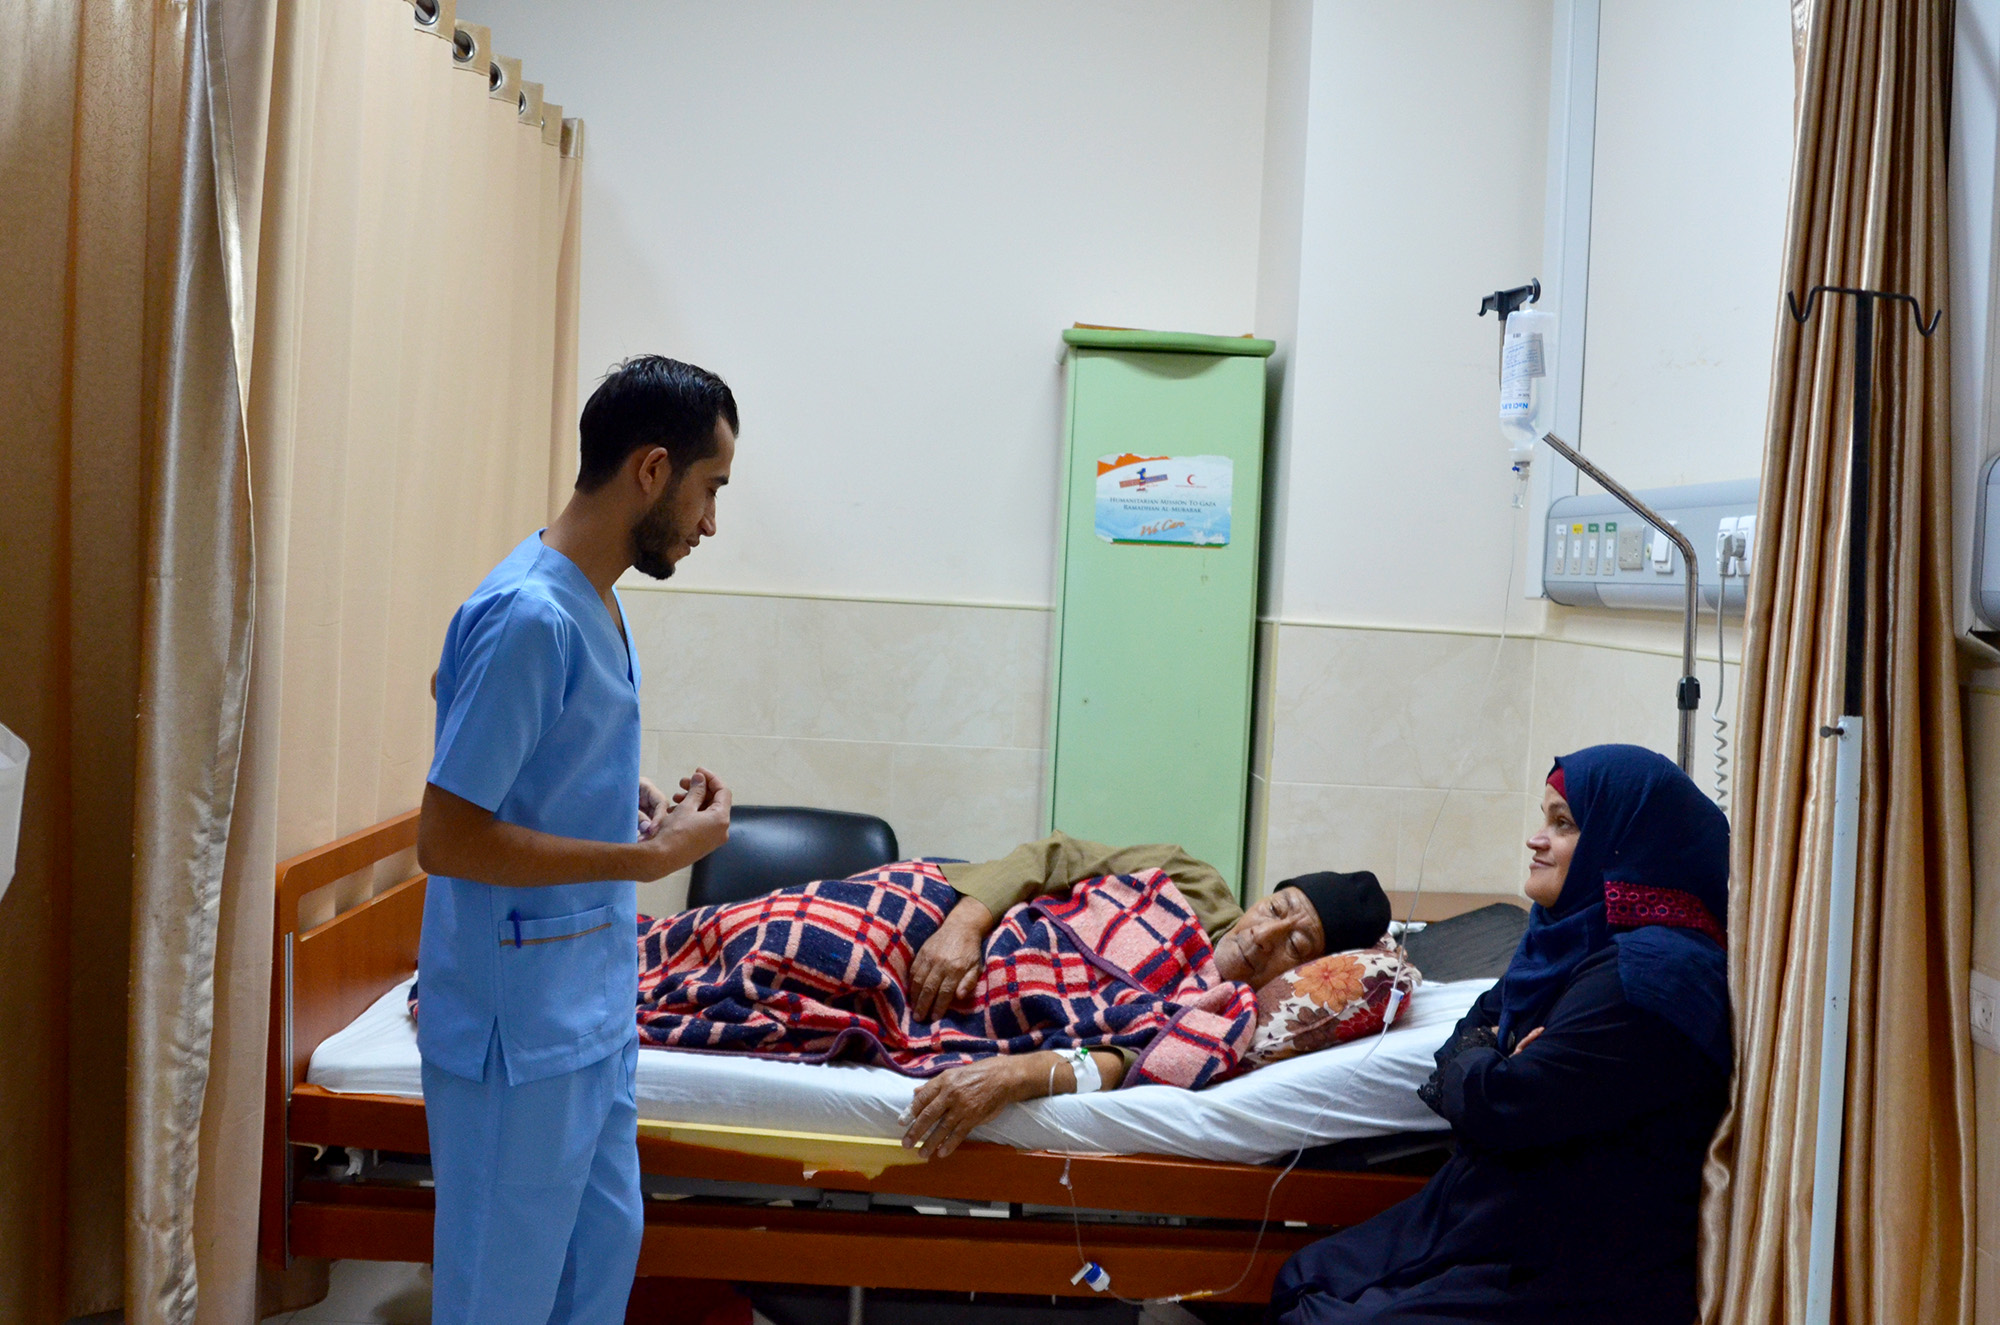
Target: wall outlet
(1986, 1011)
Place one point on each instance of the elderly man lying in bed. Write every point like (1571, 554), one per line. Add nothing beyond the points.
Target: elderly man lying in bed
(1065, 966)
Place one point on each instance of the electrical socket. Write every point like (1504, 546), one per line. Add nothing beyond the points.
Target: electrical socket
(1986, 1011)
(1732, 547)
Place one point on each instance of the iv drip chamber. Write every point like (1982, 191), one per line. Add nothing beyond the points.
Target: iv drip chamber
(1524, 395)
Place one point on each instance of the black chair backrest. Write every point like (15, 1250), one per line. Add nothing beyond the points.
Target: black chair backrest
(779, 846)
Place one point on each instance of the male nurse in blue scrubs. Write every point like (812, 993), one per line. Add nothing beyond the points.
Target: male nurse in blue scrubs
(535, 826)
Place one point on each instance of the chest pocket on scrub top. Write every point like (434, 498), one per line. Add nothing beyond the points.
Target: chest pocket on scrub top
(563, 978)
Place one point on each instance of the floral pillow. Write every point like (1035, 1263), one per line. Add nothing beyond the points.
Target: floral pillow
(1329, 1000)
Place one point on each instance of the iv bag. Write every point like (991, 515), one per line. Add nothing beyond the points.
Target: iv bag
(1524, 397)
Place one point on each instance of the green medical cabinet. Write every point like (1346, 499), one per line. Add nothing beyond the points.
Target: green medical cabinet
(1155, 640)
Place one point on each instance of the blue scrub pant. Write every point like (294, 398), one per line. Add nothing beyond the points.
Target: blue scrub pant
(539, 1213)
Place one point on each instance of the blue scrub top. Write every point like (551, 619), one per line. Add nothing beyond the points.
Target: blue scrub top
(537, 721)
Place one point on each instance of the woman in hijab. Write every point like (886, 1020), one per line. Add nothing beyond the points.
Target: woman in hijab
(1582, 1088)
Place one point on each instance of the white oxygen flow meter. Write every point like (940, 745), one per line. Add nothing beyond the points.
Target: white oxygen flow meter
(1525, 348)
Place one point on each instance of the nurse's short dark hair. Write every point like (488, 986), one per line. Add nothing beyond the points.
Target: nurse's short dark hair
(650, 400)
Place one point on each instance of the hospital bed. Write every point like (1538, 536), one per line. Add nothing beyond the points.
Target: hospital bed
(785, 1172)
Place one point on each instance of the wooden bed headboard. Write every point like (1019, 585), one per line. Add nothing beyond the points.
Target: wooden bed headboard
(326, 976)
(1435, 905)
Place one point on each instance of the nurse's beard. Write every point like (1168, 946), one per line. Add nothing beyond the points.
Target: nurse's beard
(656, 535)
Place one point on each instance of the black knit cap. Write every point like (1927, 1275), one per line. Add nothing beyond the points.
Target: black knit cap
(1353, 909)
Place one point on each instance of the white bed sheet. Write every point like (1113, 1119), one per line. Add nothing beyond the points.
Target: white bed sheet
(1366, 1088)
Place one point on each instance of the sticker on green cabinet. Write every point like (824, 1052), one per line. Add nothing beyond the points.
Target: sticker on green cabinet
(1164, 499)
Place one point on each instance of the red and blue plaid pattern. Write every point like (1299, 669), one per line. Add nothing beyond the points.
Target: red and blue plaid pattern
(818, 972)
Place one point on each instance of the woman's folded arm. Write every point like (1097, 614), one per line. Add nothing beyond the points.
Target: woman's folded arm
(1598, 1065)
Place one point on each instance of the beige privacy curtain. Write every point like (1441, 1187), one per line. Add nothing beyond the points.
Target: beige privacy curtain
(291, 364)
(410, 418)
(1867, 209)
(91, 117)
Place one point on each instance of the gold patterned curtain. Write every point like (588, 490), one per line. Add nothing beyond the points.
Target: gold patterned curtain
(120, 426)
(293, 364)
(1867, 209)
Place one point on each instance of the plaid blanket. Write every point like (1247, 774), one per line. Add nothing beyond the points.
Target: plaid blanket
(818, 972)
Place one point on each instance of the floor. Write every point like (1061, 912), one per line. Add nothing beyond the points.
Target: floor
(369, 1293)
(374, 1293)
(392, 1293)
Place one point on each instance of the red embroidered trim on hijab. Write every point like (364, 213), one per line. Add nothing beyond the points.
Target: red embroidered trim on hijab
(1630, 905)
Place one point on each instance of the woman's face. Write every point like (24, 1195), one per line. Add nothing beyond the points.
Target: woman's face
(1553, 846)
(1277, 933)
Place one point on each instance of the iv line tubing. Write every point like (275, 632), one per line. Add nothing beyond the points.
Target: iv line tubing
(1688, 697)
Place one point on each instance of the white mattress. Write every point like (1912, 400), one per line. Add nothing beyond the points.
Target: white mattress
(1366, 1088)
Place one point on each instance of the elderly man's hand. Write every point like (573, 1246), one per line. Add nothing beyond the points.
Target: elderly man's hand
(946, 968)
(951, 1104)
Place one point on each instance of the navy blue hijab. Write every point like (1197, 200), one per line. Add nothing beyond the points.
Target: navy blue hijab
(1651, 874)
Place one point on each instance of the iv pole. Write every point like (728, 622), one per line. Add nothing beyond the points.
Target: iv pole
(1687, 693)
(1833, 1031)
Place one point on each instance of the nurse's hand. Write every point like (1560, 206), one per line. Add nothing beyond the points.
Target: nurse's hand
(653, 806)
(946, 968)
(695, 825)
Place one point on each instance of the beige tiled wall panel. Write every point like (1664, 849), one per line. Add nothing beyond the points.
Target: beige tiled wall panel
(929, 716)
(1400, 709)
(1382, 741)
(842, 670)
(1395, 751)
(970, 802)
(1474, 837)
(1588, 694)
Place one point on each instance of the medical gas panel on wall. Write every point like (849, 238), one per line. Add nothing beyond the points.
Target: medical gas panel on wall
(1157, 591)
(1599, 554)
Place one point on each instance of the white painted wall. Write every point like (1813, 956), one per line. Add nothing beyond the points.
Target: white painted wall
(874, 219)
(1423, 190)
(1693, 170)
(1288, 93)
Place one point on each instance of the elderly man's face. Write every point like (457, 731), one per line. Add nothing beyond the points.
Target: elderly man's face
(1277, 933)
